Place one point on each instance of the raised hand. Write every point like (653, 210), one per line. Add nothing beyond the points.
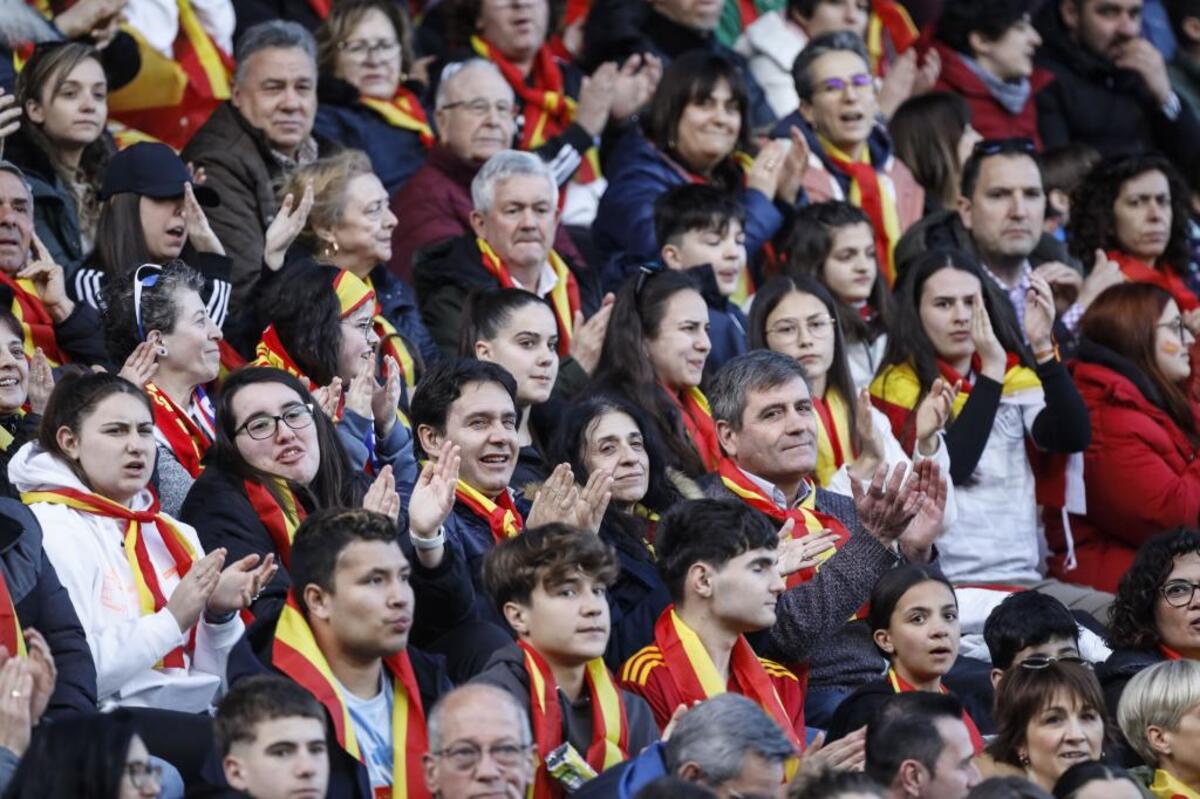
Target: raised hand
(41, 381)
(285, 227)
(1105, 273)
(385, 397)
(874, 446)
(899, 83)
(916, 542)
(992, 355)
(934, 412)
(928, 72)
(1142, 57)
(43, 670)
(555, 500)
(239, 585)
(587, 340)
(361, 394)
(1065, 282)
(767, 169)
(381, 497)
(593, 501)
(888, 505)
(139, 367)
(199, 232)
(636, 81)
(10, 116)
(848, 753)
(190, 597)
(795, 166)
(433, 495)
(596, 96)
(16, 718)
(49, 280)
(329, 397)
(1039, 314)
(796, 554)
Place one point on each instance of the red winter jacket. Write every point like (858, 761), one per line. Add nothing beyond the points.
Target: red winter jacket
(987, 115)
(1141, 473)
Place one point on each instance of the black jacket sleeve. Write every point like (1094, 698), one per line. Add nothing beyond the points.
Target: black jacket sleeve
(967, 437)
(445, 595)
(1063, 425)
(48, 609)
(80, 337)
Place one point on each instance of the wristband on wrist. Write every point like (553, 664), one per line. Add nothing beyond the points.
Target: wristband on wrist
(439, 540)
(219, 618)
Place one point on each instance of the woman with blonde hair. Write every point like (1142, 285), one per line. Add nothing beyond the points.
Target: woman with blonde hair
(1159, 713)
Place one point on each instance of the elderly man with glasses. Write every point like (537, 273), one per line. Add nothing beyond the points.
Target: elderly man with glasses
(480, 744)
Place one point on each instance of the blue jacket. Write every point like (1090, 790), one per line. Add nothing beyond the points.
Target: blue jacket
(637, 174)
(624, 780)
(395, 153)
(637, 598)
(41, 602)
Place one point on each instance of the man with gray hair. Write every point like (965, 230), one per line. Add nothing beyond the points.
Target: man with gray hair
(514, 219)
(480, 744)
(475, 114)
(850, 152)
(254, 139)
(726, 744)
(767, 425)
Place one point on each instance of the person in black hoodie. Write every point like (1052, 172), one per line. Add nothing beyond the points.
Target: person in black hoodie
(349, 617)
(550, 583)
(1111, 88)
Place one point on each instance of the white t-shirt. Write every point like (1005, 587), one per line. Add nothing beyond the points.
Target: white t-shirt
(372, 720)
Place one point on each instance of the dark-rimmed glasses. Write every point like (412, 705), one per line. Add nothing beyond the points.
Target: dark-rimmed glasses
(466, 756)
(260, 428)
(1178, 593)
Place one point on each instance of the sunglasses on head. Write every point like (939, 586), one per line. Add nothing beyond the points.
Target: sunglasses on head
(1012, 145)
(144, 277)
(1037, 662)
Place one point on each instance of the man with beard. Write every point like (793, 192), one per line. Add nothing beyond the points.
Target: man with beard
(515, 216)
(1111, 87)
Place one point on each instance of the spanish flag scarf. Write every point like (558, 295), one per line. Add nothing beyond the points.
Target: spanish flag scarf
(404, 111)
(270, 352)
(187, 438)
(698, 421)
(296, 654)
(151, 598)
(807, 518)
(35, 320)
(835, 442)
(501, 514)
(696, 677)
(546, 106)
(207, 66)
(610, 730)
(280, 513)
(1166, 278)
(891, 18)
(868, 192)
(901, 686)
(1167, 787)
(564, 297)
(897, 391)
(392, 343)
(11, 636)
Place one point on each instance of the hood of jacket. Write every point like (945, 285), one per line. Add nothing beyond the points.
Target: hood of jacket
(20, 548)
(34, 469)
(1101, 371)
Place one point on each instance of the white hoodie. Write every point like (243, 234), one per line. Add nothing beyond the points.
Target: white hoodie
(88, 553)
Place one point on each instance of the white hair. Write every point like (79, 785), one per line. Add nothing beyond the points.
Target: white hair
(480, 693)
(502, 166)
(452, 70)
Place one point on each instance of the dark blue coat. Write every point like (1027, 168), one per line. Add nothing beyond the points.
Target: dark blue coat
(41, 602)
(395, 153)
(639, 595)
(638, 172)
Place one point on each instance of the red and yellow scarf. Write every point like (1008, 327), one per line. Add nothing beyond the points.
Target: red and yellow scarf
(1166, 278)
(271, 352)
(404, 111)
(35, 320)
(564, 297)
(901, 686)
(296, 654)
(877, 202)
(696, 677)
(896, 391)
(546, 106)
(503, 518)
(11, 636)
(392, 343)
(610, 730)
(1166, 786)
(807, 518)
(151, 598)
(698, 421)
(280, 516)
(888, 16)
(188, 440)
(835, 442)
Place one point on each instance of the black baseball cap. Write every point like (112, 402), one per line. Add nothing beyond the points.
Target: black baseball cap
(152, 169)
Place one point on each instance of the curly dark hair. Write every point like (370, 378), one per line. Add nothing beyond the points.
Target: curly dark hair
(159, 306)
(1131, 622)
(1093, 226)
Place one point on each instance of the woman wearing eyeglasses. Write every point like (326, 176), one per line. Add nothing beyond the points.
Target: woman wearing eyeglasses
(1154, 614)
(913, 617)
(1050, 716)
(1135, 208)
(364, 55)
(949, 328)
(833, 242)
(156, 321)
(654, 354)
(798, 317)
(1140, 471)
(160, 615)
